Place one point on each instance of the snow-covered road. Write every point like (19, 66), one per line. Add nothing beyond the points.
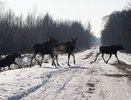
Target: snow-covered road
(84, 81)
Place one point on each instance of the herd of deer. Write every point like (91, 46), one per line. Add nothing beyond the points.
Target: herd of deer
(53, 48)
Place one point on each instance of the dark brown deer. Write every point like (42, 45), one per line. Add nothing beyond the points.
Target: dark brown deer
(109, 50)
(43, 49)
(66, 47)
(8, 60)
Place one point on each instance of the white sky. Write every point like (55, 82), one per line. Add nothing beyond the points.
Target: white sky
(81, 10)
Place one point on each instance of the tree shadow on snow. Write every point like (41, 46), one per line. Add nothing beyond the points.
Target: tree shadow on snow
(77, 67)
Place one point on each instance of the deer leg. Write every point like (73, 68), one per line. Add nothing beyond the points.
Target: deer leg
(53, 62)
(109, 58)
(96, 57)
(103, 57)
(37, 60)
(74, 58)
(32, 59)
(57, 60)
(53, 59)
(68, 59)
(117, 58)
(42, 59)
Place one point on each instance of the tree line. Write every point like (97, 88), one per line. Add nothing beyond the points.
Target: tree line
(17, 34)
(117, 29)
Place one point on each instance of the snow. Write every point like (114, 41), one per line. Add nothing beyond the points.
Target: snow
(83, 81)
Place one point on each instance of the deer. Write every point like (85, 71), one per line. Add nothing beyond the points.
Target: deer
(109, 50)
(43, 49)
(66, 47)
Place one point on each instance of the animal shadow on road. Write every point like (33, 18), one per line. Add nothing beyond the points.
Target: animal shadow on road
(123, 67)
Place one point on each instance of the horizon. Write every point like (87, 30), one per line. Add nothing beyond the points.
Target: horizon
(84, 11)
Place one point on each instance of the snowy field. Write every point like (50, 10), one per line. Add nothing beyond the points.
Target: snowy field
(83, 81)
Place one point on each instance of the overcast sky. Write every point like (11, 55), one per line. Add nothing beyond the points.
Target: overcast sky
(81, 10)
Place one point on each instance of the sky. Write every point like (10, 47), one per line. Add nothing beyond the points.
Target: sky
(81, 10)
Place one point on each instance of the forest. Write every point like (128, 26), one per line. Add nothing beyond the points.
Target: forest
(18, 34)
(117, 29)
